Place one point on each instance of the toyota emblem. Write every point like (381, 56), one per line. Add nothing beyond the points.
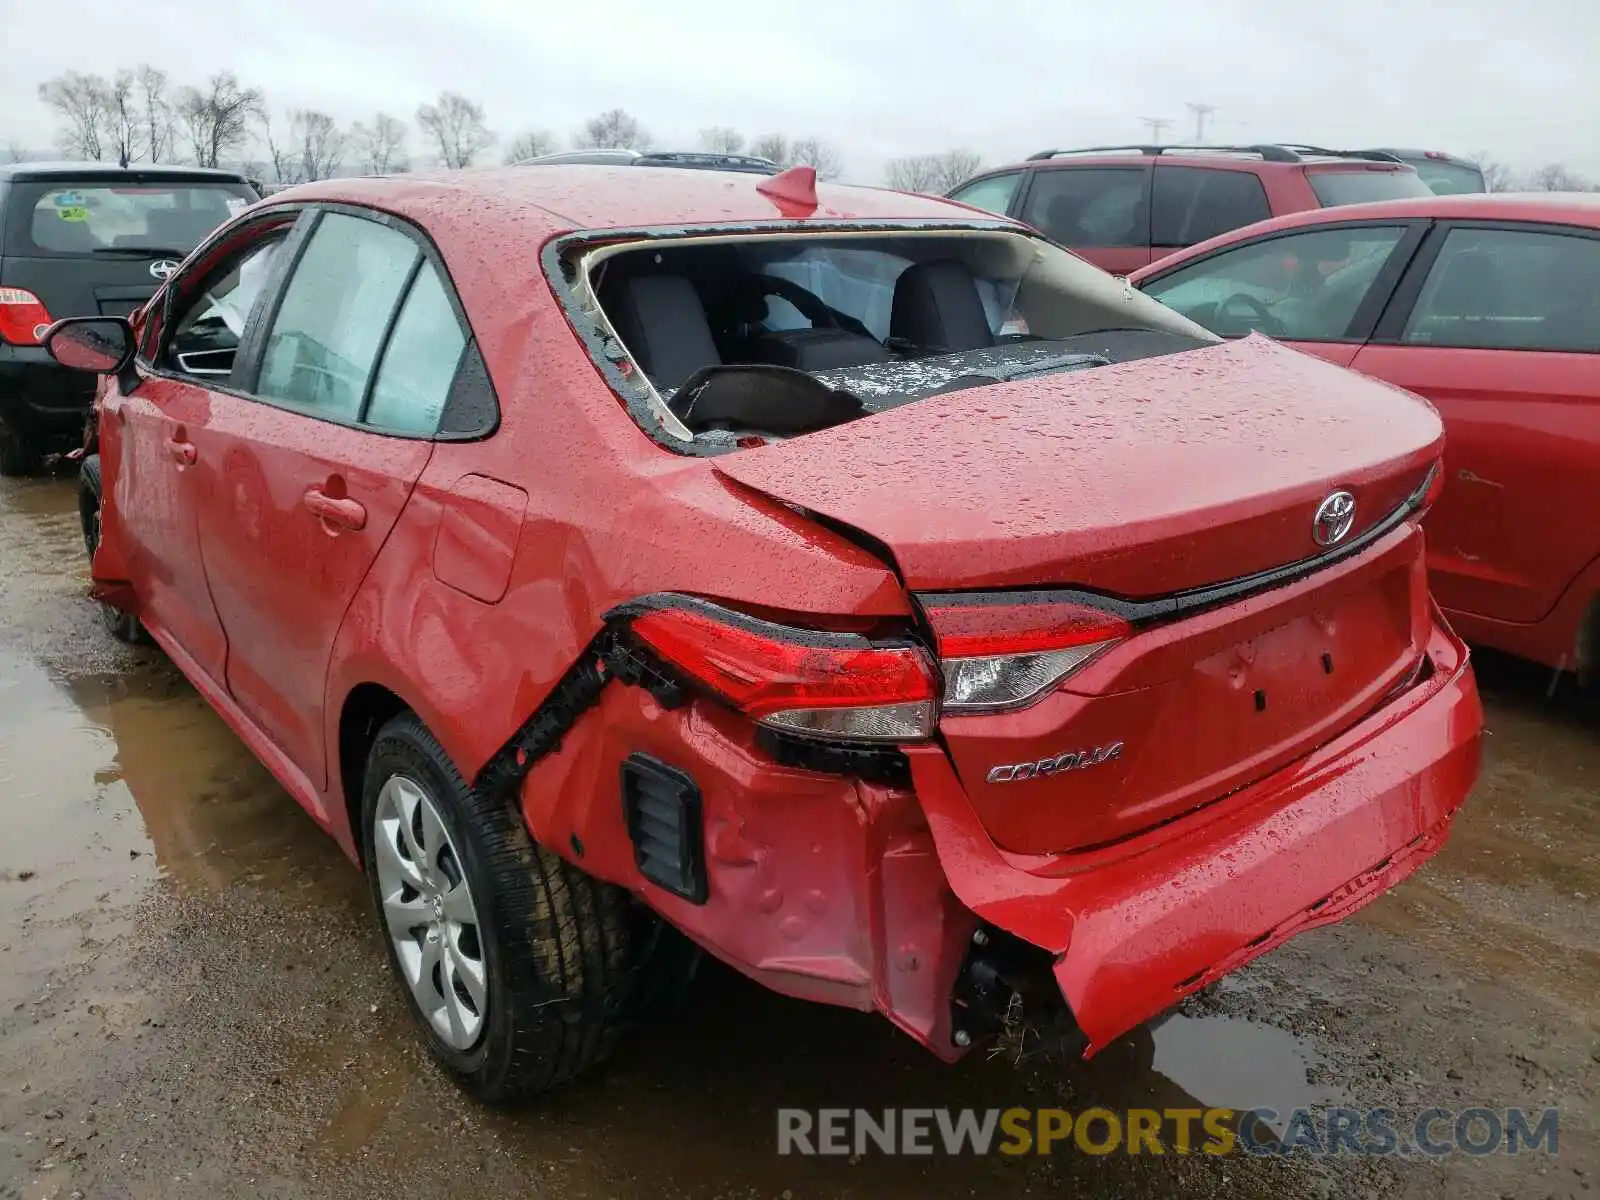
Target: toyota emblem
(163, 269)
(1334, 517)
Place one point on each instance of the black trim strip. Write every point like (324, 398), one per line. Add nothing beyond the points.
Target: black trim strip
(1194, 600)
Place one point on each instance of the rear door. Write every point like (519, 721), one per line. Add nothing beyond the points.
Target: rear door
(1319, 289)
(1498, 324)
(347, 380)
(1099, 212)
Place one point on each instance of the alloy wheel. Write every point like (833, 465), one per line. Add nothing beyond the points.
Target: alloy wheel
(429, 913)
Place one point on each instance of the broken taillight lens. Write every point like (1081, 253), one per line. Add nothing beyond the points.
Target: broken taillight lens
(837, 686)
(1006, 652)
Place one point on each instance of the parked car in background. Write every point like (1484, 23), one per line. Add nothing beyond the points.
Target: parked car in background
(1123, 207)
(912, 663)
(82, 239)
(1490, 307)
(694, 160)
(1445, 174)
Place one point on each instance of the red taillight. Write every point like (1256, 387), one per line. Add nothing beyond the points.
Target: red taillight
(1002, 653)
(830, 685)
(966, 630)
(23, 318)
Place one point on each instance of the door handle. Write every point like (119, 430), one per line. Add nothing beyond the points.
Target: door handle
(336, 510)
(182, 453)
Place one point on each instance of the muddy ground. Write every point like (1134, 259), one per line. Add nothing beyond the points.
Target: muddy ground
(194, 1001)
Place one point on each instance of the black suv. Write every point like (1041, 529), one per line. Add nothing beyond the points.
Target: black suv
(85, 239)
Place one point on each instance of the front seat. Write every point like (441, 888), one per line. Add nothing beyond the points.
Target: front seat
(662, 322)
(937, 307)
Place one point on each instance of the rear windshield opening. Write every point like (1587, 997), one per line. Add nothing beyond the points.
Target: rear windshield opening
(1364, 185)
(61, 218)
(779, 335)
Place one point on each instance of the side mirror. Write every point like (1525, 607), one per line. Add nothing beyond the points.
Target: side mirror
(100, 345)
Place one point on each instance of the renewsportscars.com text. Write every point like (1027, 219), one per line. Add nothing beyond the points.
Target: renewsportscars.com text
(1380, 1132)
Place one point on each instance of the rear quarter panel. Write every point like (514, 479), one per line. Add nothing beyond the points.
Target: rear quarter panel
(609, 516)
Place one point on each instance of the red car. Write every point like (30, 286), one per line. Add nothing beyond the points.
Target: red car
(625, 562)
(1489, 306)
(1124, 207)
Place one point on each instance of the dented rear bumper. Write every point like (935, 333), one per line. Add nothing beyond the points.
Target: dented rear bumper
(1135, 927)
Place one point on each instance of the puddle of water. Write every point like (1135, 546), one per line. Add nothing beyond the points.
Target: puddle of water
(1229, 1062)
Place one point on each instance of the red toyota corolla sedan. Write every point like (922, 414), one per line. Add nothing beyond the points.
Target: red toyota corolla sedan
(1490, 307)
(627, 563)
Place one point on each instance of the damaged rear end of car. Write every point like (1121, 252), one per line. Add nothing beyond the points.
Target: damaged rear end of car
(1154, 681)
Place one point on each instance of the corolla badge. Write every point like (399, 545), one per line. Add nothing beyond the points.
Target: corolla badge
(163, 268)
(1334, 517)
(1072, 760)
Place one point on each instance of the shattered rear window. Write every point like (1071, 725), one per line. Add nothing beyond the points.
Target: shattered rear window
(720, 339)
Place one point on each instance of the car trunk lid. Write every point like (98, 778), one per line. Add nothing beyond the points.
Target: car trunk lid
(1180, 494)
(1140, 479)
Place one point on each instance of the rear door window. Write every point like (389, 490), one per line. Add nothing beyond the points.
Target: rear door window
(1506, 289)
(324, 341)
(1363, 185)
(1192, 204)
(993, 194)
(1090, 206)
(56, 219)
(1305, 287)
(420, 361)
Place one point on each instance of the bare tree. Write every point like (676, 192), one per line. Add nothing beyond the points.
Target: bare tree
(319, 142)
(456, 125)
(530, 144)
(83, 101)
(1554, 177)
(956, 167)
(614, 129)
(285, 161)
(156, 112)
(217, 119)
(381, 145)
(123, 123)
(818, 155)
(915, 173)
(722, 139)
(1497, 177)
(15, 151)
(772, 146)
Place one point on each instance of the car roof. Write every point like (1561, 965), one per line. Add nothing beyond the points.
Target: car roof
(1280, 154)
(1559, 208)
(561, 199)
(34, 171)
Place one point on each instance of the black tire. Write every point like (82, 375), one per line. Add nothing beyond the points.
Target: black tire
(123, 626)
(19, 454)
(553, 940)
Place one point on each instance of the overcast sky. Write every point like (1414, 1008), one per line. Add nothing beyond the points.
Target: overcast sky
(879, 78)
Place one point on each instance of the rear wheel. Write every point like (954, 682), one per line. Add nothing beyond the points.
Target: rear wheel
(19, 454)
(123, 626)
(513, 961)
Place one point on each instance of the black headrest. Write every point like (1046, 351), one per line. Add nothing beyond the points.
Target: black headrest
(936, 305)
(662, 322)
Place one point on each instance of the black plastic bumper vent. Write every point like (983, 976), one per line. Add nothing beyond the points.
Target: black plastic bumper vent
(662, 807)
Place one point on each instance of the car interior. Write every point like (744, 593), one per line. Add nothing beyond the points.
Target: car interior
(687, 312)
